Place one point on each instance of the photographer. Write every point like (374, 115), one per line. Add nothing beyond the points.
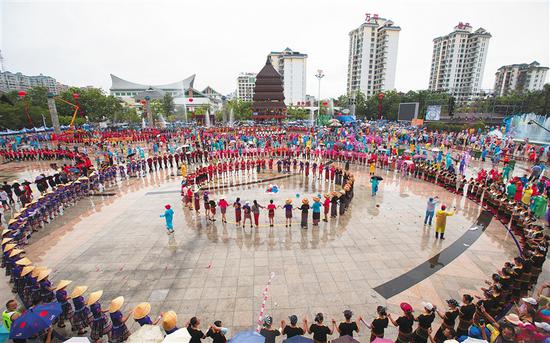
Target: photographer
(500, 333)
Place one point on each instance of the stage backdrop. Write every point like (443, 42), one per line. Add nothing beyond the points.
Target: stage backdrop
(433, 112)
(407, 111)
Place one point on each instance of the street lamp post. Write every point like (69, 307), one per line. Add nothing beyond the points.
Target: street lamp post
(319, 76)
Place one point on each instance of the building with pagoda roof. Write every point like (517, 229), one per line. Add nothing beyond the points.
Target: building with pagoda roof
(268, 99)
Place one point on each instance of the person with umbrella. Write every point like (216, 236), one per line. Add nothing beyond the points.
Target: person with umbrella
(100, 324)
(10, 314)
(119, 331)
(168, 216)
(62, 298)
(34, 321)
(293, 329)
(374, 181)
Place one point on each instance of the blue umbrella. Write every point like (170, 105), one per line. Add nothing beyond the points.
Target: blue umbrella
(298, 339)
(33, 321)
(247, 337)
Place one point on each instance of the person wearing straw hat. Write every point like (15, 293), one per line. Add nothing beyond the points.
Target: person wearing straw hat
(404, 323)
(141, 314)
(62, 298)
(288, 212)
(81, 312)
(169, 322)
(119, 332)
(305, 212)
(316, 209)
(100, 324)
(326, 206)
(27, 281)
(46, 290)
(168, 216)
(334, 204)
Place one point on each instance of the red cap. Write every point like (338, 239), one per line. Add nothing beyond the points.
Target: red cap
(167, 207)
(443, 207)
(406, 307)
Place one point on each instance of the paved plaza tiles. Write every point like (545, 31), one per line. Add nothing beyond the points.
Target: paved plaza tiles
(378, 253)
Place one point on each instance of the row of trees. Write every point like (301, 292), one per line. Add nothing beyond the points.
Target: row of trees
(96, 106)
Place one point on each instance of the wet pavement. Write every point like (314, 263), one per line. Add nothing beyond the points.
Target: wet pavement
(218, 271)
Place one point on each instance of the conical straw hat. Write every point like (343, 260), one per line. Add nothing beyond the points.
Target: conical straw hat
(78, 291)
(62, 284)
(23, 262)
(142, 310)
(26, 270)
(94, 297)
(116, 304)
(169, 320)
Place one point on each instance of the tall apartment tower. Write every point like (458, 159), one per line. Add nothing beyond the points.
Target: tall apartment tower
(520, 78)
(458, 61)
(245, 86)
(292, 66)
(372, 56)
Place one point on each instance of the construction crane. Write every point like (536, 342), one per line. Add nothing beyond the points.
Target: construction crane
(76, 109)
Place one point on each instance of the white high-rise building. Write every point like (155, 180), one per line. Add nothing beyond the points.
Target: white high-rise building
(519, 77)
(292, 66)
(458, 61)
(373, 56)
(245, 86)
(17, 81)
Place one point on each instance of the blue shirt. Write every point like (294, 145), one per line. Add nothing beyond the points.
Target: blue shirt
(316, 207)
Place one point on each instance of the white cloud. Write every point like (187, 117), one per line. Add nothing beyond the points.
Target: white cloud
(81, 42)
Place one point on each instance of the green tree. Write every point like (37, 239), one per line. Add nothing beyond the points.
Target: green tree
(242, 110)
(168, 104)
(95, 105)
(297, 113)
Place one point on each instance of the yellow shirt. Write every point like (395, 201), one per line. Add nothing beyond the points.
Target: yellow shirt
(526, 199)
(441, 219)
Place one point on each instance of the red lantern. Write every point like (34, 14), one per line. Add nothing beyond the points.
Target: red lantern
(380, 96)
(190, 99)
(143, 102)
(75, 96)
(22, 94)
(325, 103)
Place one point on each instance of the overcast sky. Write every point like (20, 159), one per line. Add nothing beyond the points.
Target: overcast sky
(79, 42)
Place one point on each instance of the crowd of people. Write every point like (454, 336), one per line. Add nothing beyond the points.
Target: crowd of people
(210, 155)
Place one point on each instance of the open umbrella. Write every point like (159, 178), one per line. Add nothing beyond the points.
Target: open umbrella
(298, 339)
(247, 337)
(148, 334)
(178, 336)
(77, 340)
(345, 339)
(33, 321)
(381, 340)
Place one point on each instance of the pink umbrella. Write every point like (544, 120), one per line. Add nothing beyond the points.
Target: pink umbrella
(381, 340)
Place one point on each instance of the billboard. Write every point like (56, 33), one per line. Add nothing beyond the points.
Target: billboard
(407, 111)
(433, 112)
